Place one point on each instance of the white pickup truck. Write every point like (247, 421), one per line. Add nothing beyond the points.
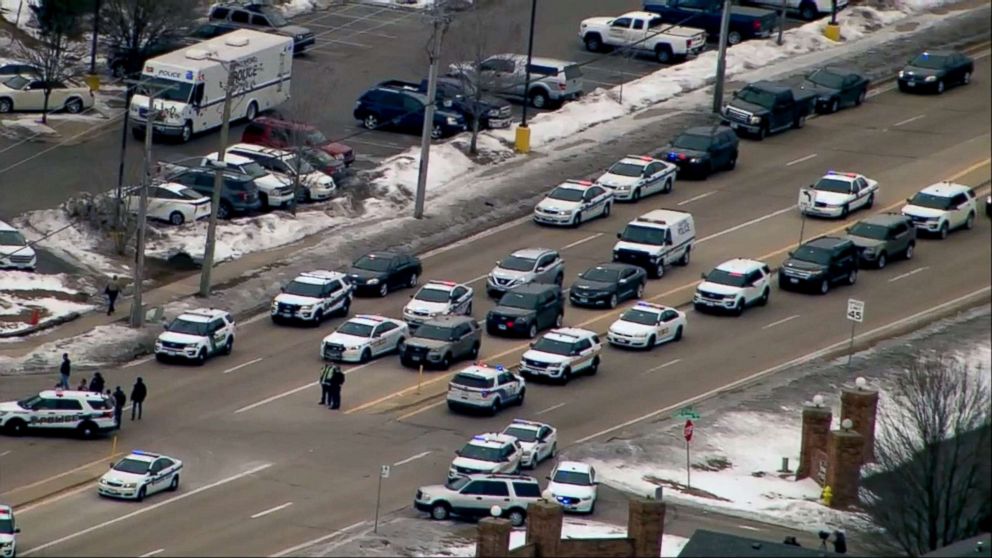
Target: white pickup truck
(643, 32)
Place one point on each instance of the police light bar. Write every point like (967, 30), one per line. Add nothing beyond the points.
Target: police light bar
(528, 422)
(145, 453)
(649, 305)
(447, 283)
(582, 182)
(370, 317)
(848, 174)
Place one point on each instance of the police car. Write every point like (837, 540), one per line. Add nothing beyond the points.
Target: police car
(645, 325)
(836, 194)
(482, 387)
(733, 286)
(196, 335)
(140, 474)
(8, 532)
(487, 453)
(313, 296)
(85, 412)
(562, 353)
(363, 338)
(574, 202)
(941, 208)
(438, 298)
(573, 485)
(538, 440)
(636, 176)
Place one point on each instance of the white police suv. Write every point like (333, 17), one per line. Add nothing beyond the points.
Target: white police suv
(363, 338)
(562, 353)
(941, 208)
(573, 202)
(313, 296)
(482, 387)
(84, 412)
(573, 485)
(140, 474)
(196, 335)
(636, 176)
(8, 532)
(438, 298)
(487, 453)
(15, 253)
(538, 440)
(837, 194)
(733, 286)
(646, 325)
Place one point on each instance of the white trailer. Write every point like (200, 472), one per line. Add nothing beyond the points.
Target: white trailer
(189, 83)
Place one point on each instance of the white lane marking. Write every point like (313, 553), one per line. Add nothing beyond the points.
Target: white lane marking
(375, 144)
(801, 160)
(747, 224)
(749, 528)
(780, 322)
(696, 198)
(294, 390)
(551, 408)
(294, 549)
(908, 273)
(240, 366)
(412, 458)
(475, 237)
(138, 362)
(146, 509)
(8, 452)
(582, 241)
(474, 279)
(666, 365)
(254, 319)
(152, 553)
(53, 499)
(908, 120)
(796, 361)
(271, 510)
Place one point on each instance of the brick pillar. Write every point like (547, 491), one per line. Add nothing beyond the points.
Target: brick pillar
(493, 538)
(544, 527)
(844, 452)
(860, 404)
(816, 427)
(646, 525)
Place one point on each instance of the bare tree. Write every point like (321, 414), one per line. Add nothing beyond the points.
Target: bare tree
(302, 141)
(134, 26)
(51, 56)
(933, 454)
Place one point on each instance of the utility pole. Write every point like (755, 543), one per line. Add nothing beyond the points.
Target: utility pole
(96, 33)
(208, 251)
(439, 23)
(120, 166)
(781, 22)
(530, 57)
(137, 309)
(721, 61)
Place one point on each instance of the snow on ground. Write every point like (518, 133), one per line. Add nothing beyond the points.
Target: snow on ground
(87, 350)
(9, 10)
(53, 230)
(22, 292)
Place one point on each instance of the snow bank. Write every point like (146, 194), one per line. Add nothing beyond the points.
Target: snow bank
(21, 293)
(9, 9)
(87, 350)
(73, 242)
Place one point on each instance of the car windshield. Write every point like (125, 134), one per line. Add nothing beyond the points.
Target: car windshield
(546, 345)
(317, 157)
(758, 97)
(167, 89)
(315, 137)
(519, 300)
(601, 274)
(135, 466)
(304, 289)
(644, 235)
(867, 230)
(298, 163)
(572, 477)
(626, 169)
(457, 483)
(433, 295)
(29, 403)
(826, 78)
(833, 185)
(472, 381)
(566, 194)
(814, 255)
(356, 329)
(929, 61)
(522, 434)
(434, 332)
(931, 201)
(189, 194)
(371, 263)
(482, 453)
(692, 142)
(722, 277)
(253, 169)
(11, 238)
(16, 82)
(640, 317)
(516, 263)
(275, 18)
(188, 327)
(6, 526)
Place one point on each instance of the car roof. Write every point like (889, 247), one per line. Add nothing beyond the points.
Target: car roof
(528, 424)
(885, 219)
(771, 86)
(650, 307)
(6, 510)
(257, 149)
(569, 334)
(448, 321)
(708, 131)
(638, 160)
(231, 158)
(370, 319)
(145, 456)
(574, 466)
(439, 285)
(280, 123)
(172, 187)
(839, 175)
(740, 265)
(482, 370)
(319, 277)
(612, 265)
(661, 217)
(533, 288)
(939, 52)
(531, 253)
(202, 314)
(5, 227)
(383, 254)
(827, 242)
(71, 393)
(945, 189)
(536, 60)
(492, 440)
(641, 14)
(576, 184)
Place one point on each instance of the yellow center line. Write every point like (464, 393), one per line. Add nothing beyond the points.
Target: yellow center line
(613, 314)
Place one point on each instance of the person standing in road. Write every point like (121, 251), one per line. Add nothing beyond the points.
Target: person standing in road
(112, 291)
(337, 380)
(119, 400)
(64, 371)
(138, 394)
(325, 384)
(97, 383)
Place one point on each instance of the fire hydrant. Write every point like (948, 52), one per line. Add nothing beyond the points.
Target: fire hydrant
(827, 495)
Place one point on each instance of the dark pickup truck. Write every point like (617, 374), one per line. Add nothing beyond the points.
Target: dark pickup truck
(745, 23)
(766, 107)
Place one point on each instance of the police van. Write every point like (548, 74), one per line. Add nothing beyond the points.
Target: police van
(189, 84)
(657, 240)
(84, 412)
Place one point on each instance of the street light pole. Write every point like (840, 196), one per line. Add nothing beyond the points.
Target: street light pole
(137, 310)
(96, 33)
(530, 57)
(120, 166)
(781, 22)
(208, 250)
(721, 61)
(434, 54)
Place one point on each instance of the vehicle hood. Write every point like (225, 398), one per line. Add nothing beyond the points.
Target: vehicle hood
(818, 89)
(831, 198)
(548, 204)
(541, 356)
(510, 312)
(597, 21)
(294, 30)
(625, 245)
(718, 288)
(916, 71)
(803, 265)
(919, 211)
(20, 250)
(740, 104)
(688, 153)
(630, 328)
(862, 242)
(429, 307)
(475, 464)
(571, 490)
(595, 286)
(334, 148)
(363, 275)
(346, 340)
(11, 406)
(271, 182)
(442, 113)
(122, 477)
(615, 180)
(507, 274)
(427, 343)
(173, 337)
(296, 300)
(4, 538)
(317, 178)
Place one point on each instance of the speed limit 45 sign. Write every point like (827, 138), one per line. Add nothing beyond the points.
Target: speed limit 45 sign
(855, 310)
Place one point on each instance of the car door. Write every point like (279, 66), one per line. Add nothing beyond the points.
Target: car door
(159, 202)
(619, 31)
(842, 264)
(508, 386)
(754, 286)
(155, 477)
(545, 442)
(45, 413)
(898, 238)
(668, 324)
(627, 286)
(585, 355)
(413, 114)
(260, 21)
(482, 495)
(598, 198)
(382, 339)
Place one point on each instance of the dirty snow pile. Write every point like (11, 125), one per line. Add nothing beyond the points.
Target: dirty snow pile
(21, 293)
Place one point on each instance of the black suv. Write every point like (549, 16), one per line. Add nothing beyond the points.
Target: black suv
(261, 17)
(238, 193)
(702, 150)
(527, 309)
(818, 264)
(381, 272)
(400, 105)
(459, 95)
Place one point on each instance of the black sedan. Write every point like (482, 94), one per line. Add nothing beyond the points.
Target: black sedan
(607, 285)
(702, 150)
(381, 272)
(935, 70)
(836, 88)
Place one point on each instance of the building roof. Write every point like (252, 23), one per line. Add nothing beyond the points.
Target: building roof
(706, 544)
(975, 546)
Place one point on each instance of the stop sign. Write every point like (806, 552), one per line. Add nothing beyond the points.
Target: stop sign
(687, 431)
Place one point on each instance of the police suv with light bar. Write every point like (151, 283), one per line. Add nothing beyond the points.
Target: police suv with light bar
(484, 387)
(733, 286)
(837, 194)
(196, 335)
(85, 412)
(646, 325)
(364, 337)
(573, 202)
(562, 353)
(312, 296)
(538, 440)
(487, 453)
(140, 474)
(636, 176)
(8, 532)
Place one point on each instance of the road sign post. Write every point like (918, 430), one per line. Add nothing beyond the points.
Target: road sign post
(856, 314)
(383, 474)
(687, 434)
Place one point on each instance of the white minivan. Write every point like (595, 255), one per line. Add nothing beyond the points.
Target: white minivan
(656, 240)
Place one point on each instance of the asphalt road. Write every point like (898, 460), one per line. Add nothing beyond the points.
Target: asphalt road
(253, 438)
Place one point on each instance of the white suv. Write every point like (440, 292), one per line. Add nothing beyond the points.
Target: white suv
(573, 202)
(274, 191)
(538, 440)
(313, 296)
(196, 335)
(636, 176)
(438, 298)
(733, 286)
(8, 532)
(87, 413)
(487, 453)
(646, 325)
(14, 250)
(476, 495)
(315, 185)
(562, 353)
(483, 387)
(530, 265)
(941, 208)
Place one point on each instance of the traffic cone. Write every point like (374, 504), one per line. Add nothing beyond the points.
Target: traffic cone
(35, 317)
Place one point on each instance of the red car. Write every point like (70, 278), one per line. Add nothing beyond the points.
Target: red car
(273, 132)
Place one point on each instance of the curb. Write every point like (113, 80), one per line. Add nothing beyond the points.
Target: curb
(47, 324)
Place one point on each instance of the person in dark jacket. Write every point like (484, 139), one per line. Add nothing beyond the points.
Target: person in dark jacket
(119, 400)
(64, 371)
(337, 380)
(112, 291)
(138, 394)
(325, 384)
(97, 383)
(840, 543)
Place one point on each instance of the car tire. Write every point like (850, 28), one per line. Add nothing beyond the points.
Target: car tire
(6, 105)
(517, 517)
(578, 219)
(370, 122)
(651, 342)
(440, 511)
(74, 105)
(739, 308)
(474, 353)
(852, 277)
(412, 282)
(446, 361)
(201, 357)
(383, 290)
(345, 308)
(881, 261)
(187, 133)
(141, 494)
(663, 54)
(763, 132)
(566, 376)
(940, 87)
(174, 485)
(229, 346)
(659, 270)
(365, 357)
(834, 106)
(177, 218)
(224, 211)
(808, 11)
(908, 254)
(640, 291)
(861, 97)
(606, 210)
(678, 334)
(593, 42)
(845, 211)
(943, 231)
(15, 427)
(496, 407)
(636, 196)
(686, 256)
(559, 279)
(800, 122)
(532, 332)
(763, 301)
(613, 301)
(871, 201)
(594, 367)
(734, 37)
(966, 79)
(251, 113)
(669, 185)
(732, 163)
(969, 223)
(824, 287)
(559, 320)
(538, 99)
(317, 318)
(436, 132)
(520, 398)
